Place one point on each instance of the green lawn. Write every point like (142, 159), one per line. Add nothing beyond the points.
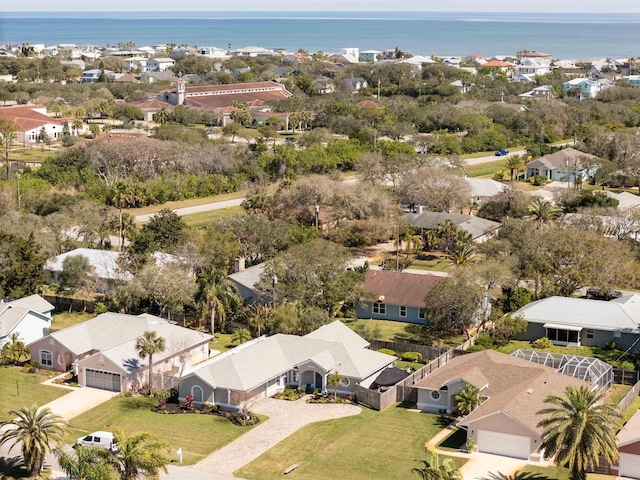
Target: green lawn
(197, 435)
(433, 262)
(186, 203)
(36, 155)
(31, 392)
(630, 411)
(69, 319)
(202, 219)
(392, 331)
(370, 445)
(487, 169)
(617, 393)
(222, 343)
(455, 441)
(601, 353)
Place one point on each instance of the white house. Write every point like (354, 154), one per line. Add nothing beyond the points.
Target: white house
(136, 63)
(27, 316)
(352, 51)
(529, 68)
(31, 119)
(588, 88)
(160, 64)
(211, 52)
(370, 55)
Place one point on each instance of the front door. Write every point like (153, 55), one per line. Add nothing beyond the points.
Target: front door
(318, 381)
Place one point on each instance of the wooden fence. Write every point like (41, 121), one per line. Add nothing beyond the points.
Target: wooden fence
(426, 351)
(629, 398)
(66, 304)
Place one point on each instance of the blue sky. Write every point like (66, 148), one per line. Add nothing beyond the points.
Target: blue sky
(585, 6)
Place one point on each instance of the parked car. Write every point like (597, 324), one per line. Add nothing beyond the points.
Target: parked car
(502, 152)
(98, 439)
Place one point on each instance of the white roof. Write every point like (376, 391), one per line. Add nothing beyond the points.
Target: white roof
(630, 433)
(484, 187)
(33, 302)
(418, 60)
(339, 330)
(114, 335)
(248, 366)
(164, 60)
(621, 314)
(626, 200)
(104, 262)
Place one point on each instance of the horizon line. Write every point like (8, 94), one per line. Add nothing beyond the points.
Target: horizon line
(581, 12)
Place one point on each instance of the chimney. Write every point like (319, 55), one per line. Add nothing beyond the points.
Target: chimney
(238, 264)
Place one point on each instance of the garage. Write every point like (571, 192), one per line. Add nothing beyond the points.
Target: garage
(629, 465)
(102, 380)
(506, 444)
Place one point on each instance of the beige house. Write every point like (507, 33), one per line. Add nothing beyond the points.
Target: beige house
(513, 391)
(102, 353)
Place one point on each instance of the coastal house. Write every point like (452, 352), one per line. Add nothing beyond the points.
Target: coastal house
(29, 317)
(355, 84)
(585, 87)
(530, 67)
(566, 165)
(102, 353)
(577, 321)
(371, 56)
(93, 75)
(136, 64)
(543, 92)
(160, 64)
(323, 86)
(513, 390)
(264, 366)
(480, 229)
(212, 52)
(497, 65)
(398, 296)
(252, 51)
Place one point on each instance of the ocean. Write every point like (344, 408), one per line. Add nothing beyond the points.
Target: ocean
(564, 35)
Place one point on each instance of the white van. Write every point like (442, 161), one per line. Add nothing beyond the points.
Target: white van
(98, 439)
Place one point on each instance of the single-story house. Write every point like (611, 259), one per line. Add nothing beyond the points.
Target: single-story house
(562, 166)
(513, 391)
(390, 295)
(264, 366)
(480, 229)
(629, 449)
(31, 120)
(246, 280)
(483, 189)
(30, 317)
(102, 353)
(578, 321)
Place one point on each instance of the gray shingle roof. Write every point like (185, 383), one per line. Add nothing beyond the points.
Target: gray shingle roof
(33, 302)
(559, 159)
(476, 226)
(249, 366)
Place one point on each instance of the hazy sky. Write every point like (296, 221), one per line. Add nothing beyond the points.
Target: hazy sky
(586, 6)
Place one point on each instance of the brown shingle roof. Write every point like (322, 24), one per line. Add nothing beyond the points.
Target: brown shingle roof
(559, 159)
(515, 386)
(398, 288)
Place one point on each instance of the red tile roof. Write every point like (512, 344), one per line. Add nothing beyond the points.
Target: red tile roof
(27, 118)
(496, 63)
(369, 104)
(408, 289)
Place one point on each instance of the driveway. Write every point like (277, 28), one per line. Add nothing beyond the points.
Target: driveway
(207, 207)
(284, 419)
(77, 401)
(484, 466)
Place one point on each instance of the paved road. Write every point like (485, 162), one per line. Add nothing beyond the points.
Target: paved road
(492, 158)
(284, 419)
(207, 207)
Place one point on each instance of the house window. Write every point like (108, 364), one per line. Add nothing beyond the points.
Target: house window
(403, 311)
(617, 336)
(435, 395)
(565, 336)
(422, 313)
(196, 391)
(589, 333)
(380, 308)
(46, 358)
(344, 382)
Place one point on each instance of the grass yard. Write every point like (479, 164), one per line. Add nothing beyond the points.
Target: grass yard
(370, 445)
(29, 155)
(186, 203)
(617, 393)
(600, 353)
(222, 343)
(630, 411)
(431, 261)
(197, 435)
(392, 331)
(69, 319)
(455, 441)
(31, 392)
(203, 219)
(487, 169)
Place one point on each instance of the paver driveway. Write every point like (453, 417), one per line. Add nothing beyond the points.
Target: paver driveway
(284, 419)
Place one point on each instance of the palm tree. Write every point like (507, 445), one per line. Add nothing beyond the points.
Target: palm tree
(122, 194)
(261, 318)
(241, 335)
(162, 116)
(86, 463)
(578, 430)
(139, 455)
(432, 469)
(514, 163)
(334, 380)
(147, 345)
(217, 296)
(36, 429)
(468, 399)
(14, 350)
(462, 254)
(413, 243)
(543, 211)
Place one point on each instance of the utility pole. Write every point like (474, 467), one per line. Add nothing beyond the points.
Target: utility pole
(316, 213)
(378, 89)
(398, 251)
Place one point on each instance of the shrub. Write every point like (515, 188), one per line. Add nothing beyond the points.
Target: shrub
(538, 180)
(543, 343)
(100, 308)
(411, 357)
(626, 365)
(610, 345)
(484, 340)
(387, 351)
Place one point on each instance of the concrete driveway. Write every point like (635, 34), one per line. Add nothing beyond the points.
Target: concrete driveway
(484, 466)
(78, 400)
(284, 419)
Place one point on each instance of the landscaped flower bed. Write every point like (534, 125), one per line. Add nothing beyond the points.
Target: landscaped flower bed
(234, 417)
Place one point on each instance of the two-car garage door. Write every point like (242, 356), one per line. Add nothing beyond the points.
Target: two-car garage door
(506, 444)
(102, 380)
(629, 465)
